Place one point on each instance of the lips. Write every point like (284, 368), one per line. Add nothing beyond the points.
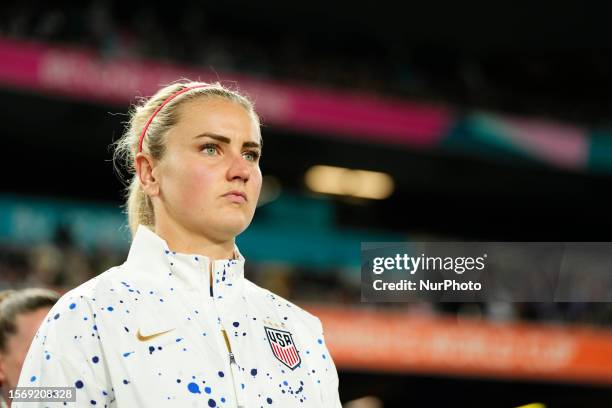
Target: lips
(236, 196)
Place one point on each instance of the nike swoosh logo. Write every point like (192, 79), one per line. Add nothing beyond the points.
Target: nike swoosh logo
(140, 337)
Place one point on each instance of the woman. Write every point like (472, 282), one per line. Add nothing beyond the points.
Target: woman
(21, 312)
(178, 324)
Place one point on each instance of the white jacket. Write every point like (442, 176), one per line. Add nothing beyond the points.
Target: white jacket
(154, 333)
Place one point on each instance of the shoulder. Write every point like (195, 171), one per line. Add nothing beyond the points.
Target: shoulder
(92, 289)
(274, 301)
(78, 306)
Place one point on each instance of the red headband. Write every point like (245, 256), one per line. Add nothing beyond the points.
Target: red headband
(168, 99)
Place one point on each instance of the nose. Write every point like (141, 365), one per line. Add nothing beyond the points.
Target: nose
(238, 169)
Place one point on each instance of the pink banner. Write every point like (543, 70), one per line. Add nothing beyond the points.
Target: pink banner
(558, 144)
(561, 145)
(86, 75)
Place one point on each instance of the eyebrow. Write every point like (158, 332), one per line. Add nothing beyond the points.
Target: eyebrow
(227, 140)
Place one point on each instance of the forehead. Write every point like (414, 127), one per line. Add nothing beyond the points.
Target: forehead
(30, 320)
(216, 115)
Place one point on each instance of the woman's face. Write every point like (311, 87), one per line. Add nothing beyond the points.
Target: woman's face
(18, 344)
(209, 177)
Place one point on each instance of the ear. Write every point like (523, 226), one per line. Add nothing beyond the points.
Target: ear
(145, 169)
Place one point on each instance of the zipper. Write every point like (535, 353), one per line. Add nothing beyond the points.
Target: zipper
(235, 371)
(237, 380)
(210, 277)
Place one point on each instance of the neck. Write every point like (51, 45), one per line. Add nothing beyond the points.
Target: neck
(185, 241)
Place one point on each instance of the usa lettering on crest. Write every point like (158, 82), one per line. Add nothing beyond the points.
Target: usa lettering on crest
(283, 347)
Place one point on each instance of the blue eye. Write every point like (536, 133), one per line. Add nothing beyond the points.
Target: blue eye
(210, 149)
(251, 155)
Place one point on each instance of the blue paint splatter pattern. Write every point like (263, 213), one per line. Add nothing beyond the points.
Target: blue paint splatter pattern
(149, 333)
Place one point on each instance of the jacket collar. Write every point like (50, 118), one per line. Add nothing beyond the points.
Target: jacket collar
(150, 255)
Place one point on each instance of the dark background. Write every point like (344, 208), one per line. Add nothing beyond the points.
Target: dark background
(535, 61)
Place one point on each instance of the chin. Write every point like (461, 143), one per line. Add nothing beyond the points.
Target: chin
(230, 227)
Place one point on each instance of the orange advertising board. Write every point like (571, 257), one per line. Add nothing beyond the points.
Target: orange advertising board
(402, 342)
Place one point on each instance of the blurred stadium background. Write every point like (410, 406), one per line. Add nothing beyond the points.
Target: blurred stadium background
(482, 124)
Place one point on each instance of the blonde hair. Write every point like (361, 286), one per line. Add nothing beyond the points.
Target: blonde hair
(138, 206)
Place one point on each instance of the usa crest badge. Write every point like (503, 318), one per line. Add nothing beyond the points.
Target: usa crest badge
(283, 347)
